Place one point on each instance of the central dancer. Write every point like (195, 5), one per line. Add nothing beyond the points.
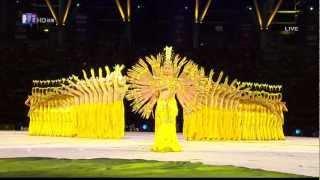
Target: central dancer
(157, 82)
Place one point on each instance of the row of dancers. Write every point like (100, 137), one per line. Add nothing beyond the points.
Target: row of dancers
(91, 107)
(235, 112)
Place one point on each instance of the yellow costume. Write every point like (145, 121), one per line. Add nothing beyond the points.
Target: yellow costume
(236, 112)
(165, 122)
(212, 109)
(90, 107)
(170, 76)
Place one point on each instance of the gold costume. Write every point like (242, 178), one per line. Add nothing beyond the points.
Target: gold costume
(90, 107)
(214, 108)
(237, 111)
(169, 77)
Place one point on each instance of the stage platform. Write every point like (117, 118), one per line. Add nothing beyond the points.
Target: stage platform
(297, 155)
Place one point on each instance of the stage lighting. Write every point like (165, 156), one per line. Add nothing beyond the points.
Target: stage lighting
(78, 4)
(311, 8)
(46, 30)
(144, 127)
(250, 8)
(186, 7)
(17, 1)
(297, 131)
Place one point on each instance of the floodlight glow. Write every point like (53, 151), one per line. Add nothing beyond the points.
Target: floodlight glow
(144, 127)
(205, 10)
(297, 131)
(120, 10)
(258, 14)
(196, 12)
(273, 13)
(66, 13)
(52, 11)
(129, 10)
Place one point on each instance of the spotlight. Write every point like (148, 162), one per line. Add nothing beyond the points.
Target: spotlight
(46, 30)
(78, 4)
(186, 7)
(297, 132)
(17, 1)
(311, 8)
(144, 127)
(250, 8)
(139, 6)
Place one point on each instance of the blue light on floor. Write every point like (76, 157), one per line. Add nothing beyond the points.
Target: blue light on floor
(297, 132)
(144, 127)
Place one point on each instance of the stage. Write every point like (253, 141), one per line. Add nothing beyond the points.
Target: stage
(297, 155)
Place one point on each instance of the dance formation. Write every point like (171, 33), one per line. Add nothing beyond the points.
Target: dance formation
(218, 109)
(235, 111)
(89, 107)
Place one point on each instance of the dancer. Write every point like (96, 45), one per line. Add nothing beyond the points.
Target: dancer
(170, 77)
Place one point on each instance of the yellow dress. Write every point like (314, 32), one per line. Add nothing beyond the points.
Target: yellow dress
(165, 126)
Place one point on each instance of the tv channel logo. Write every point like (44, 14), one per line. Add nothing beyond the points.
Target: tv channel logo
(29, 18)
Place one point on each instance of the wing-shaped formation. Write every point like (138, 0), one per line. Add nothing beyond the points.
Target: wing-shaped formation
(87, 107)
(237, 111)
(214, 106)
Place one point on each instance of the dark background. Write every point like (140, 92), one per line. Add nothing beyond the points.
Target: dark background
(229, 39)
